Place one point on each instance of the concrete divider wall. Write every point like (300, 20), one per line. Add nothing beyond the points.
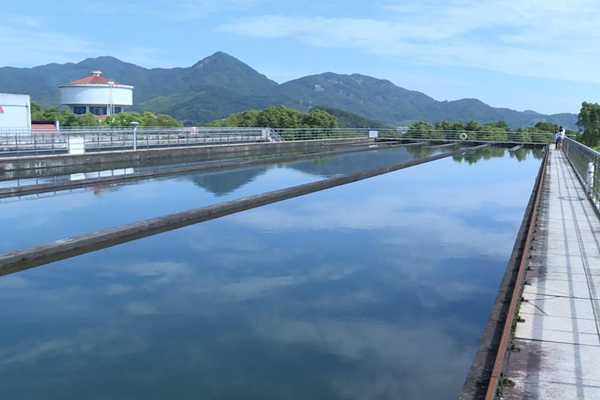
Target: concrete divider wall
(199, 152)
(20, 190)
(38, 255)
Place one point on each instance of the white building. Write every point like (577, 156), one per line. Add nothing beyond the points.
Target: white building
(15, 111)
(97, 95)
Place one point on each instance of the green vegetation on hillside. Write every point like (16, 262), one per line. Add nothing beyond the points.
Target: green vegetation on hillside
(65, 118)
(351, 120)
(69, 119)
(473, 130)
(144, 119)
(279, 117)
(220, 85)
(589, 120)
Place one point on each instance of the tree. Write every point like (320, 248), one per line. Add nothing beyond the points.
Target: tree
(69, 119)
(523, 134)
(350, 120)
(472, 126)
(502, 125)
(145, 119)
(589, 119)
(450, 130)
(318, 119)
(543, 126)
(65, 118)
(247, 119)
(422, 130)
(279, 117)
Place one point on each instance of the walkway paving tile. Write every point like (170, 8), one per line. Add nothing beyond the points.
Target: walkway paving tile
(558, 341)
(535, 378)
(560, 330)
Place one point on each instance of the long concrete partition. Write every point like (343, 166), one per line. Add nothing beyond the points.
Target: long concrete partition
(38, 255)
(121, 178)
(200, 152)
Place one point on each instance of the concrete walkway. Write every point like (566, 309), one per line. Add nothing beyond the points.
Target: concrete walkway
(558, 344)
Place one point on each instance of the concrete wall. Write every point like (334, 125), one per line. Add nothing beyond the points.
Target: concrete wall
(199, 153)
(16, 111)
(20, 260)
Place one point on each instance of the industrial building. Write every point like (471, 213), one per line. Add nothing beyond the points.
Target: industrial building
(97, 95)
(15, 112)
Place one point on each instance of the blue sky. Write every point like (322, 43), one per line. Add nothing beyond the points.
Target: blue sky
(540, 55)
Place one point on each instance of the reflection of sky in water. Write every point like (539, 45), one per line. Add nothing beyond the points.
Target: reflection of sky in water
(41, 220)
(378, 289)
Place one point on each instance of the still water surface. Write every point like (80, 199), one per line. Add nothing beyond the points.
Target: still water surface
(378, 289)
(40, 219)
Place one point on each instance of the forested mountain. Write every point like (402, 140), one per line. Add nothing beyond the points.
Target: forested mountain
(220, 85)
(352, 120)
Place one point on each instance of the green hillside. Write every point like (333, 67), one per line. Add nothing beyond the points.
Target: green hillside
(220, 85)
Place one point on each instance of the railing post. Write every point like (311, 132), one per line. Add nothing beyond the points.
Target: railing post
(589, 181)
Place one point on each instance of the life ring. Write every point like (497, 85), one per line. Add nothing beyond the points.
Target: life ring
(463, 136)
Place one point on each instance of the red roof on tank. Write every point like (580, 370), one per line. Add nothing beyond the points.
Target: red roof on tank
(94, 79)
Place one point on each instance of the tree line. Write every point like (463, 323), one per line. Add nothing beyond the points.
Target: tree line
(494, 131)
(278, 117)
(67, 118)
(589, 120)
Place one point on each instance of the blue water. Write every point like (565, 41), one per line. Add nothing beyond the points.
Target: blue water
(378, 289)
(39, 219)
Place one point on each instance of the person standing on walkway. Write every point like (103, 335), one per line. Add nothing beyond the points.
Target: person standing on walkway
(557, 140)
(562, 133)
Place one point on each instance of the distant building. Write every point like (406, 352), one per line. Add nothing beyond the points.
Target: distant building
(15, 111)
(45, 126)
(96, 94)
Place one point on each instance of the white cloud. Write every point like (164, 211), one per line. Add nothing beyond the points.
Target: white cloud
(547, 39)
(140, 308)
(177, 10)
(82, 345)
(384, 351)
(25, 40)
(443, 221)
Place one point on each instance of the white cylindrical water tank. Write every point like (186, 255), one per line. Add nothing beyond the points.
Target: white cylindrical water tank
(96, 91)
(82, 94)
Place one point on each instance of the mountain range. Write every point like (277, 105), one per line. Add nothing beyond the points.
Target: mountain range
(219, 85)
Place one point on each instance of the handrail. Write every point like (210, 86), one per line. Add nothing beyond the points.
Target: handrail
(27, 143)
(582, 158)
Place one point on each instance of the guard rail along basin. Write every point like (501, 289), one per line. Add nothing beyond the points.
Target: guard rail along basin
(586, 163)
(16, 143)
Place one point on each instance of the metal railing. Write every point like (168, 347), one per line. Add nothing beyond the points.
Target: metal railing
(417, 134)
(27, 143)
(274, 136)
(586, 162)
(16, 143)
